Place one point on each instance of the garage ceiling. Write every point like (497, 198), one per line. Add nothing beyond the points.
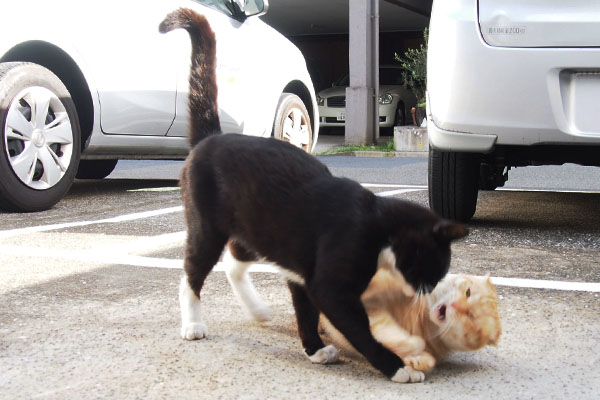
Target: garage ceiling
(319, 17)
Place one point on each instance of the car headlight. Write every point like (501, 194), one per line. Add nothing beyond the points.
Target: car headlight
(320, 101)
(386, 99)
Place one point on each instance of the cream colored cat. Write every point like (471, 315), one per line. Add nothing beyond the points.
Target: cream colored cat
(461, 314)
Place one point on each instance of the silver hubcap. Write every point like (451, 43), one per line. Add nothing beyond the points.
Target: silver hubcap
(38, 137)
(295, 128)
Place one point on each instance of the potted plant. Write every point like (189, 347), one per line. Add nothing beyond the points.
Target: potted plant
(414, 65)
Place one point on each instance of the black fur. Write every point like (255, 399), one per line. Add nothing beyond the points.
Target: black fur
(271, 199)
(202, 100)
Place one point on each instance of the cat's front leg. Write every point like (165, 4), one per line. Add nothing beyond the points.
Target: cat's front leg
(348, 316)
(307, 317)
(192, 325)
(422, 362)
(387, 332)
(408, 374)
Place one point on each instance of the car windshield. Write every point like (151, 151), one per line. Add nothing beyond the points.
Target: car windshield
(387, 76)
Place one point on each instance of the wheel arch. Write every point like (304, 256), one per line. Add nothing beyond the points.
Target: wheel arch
(67, 70)
(299, 89)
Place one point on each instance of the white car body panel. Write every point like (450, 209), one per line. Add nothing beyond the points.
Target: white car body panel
(140, 107)
(520, 95)
(547, 23)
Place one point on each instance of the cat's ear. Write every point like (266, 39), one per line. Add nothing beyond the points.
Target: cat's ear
(487, 280)
(447, 231)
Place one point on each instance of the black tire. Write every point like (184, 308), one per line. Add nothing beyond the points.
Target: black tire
(38, 156)
(292, 122)
(453, 184)
(95, 169)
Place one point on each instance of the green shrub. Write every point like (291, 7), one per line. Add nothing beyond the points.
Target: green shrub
(414, 65)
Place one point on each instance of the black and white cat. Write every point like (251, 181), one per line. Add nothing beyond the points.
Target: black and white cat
(263, 198)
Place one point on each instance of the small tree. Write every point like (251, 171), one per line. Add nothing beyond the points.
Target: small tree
(414, 64)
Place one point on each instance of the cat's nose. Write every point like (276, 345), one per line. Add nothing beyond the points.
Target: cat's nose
(458, 307)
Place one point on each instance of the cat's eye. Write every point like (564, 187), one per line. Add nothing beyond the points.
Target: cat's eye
(468, 293)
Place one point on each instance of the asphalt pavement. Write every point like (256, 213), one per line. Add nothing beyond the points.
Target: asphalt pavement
(89, 309)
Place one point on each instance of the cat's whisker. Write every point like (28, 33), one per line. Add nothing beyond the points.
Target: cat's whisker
(445, 329)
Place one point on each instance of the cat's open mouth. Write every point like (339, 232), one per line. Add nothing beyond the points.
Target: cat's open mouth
(441, 312)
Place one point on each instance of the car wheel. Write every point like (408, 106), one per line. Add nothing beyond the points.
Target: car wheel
(39, 138)
(453, 184)
(292, 122)
(95, 169)
(400, 115)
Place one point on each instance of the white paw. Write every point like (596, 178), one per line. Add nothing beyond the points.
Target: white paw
(326, 355)
(194, 331)
(408, 374)
(261, 313)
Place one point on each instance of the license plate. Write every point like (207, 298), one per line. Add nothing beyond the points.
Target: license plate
(341, 116)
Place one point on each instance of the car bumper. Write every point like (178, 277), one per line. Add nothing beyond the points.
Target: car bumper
(336, 116)
(520, 96)
(444, 140)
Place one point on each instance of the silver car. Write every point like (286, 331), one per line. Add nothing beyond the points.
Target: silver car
(510, 84)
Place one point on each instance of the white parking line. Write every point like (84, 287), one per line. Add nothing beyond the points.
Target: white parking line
(66, 225)
(148, 243)
(397, 191)
(147, 214)
(106, 257)
(584, 191)
(390, 185)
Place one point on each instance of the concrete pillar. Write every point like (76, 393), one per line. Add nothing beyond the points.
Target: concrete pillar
(362, 107)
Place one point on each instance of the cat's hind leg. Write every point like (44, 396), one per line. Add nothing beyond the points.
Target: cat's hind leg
(307, 316)
(192, 324)
(203, 249)
(237, 259)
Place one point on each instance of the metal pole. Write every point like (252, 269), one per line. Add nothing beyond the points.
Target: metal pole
(375, 66)
(362, 112)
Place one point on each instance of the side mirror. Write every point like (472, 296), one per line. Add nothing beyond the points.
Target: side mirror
(255, 7)
(242, 9)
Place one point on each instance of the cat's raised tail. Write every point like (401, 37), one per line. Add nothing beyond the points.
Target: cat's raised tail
(202, 97)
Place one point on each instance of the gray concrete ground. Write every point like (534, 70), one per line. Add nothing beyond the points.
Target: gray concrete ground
(89, 310)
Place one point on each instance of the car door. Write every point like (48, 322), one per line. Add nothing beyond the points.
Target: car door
(244, 69)
(132, 65)
(229, 60)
